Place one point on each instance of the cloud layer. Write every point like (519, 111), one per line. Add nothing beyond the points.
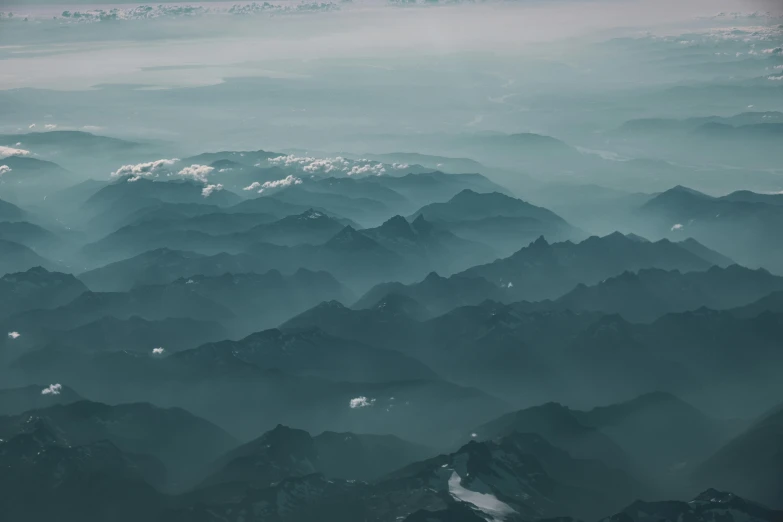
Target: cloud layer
(196, 172)
(278, 183)
(52, 389)
(336, 165)
(209, 189)
(150, 169)
(361, 402)
(6, 152)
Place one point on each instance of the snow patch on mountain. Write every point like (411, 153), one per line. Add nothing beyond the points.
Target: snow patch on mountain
(487, 503)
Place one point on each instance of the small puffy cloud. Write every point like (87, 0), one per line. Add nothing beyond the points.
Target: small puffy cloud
(196, 172)
(774, 50)
(332, 166)
(278, 183)
(158, 351)
(311, 165)
(150, 169)
(4, 169)
(677, 226)
(358, 170)
(291, 160)
(6, 152)
(510, 285)
(281, 183)
(776, 78)
(474, 435)
(14, 335)
(50, 126)
(326, 165)
(209, 189)
(361, 402)
(31, 126)
(52, 389)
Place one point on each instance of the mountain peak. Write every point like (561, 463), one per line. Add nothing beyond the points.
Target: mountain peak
(433, 277)
(397, 227)
(714, 496)
(311, 214)
(469, 195)
(541, 242)
(421, 225)
(337, 305)
(680, 189)
(353, 240)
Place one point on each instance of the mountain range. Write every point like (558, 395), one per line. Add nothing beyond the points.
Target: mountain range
(247, 335)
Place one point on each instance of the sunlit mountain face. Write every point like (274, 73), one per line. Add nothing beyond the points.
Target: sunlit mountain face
(391, 261)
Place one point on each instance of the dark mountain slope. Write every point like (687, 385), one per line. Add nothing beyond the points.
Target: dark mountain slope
(503, 222)
(437, 294)
(751, 463)
(183, 442)
(546, 271)
(652, 293)
(37, 288)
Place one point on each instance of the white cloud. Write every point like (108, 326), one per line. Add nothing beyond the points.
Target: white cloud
(775, 50)
(776, 78)
(677, 226)
(150, 169)
(196, 172)
(158, 351)
(50, 126)
(53, 389)
(92, 128)
(4, 169)
(312, 165)
(278, 183)
(31, 126)
(6, 152)
(361, 402)
(14, 335)
(291, 160)
(326, 165)
(332, 165)
(209, 189)
(376, 170)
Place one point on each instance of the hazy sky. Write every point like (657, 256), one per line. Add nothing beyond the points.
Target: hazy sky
(328, 78)
(88, 54)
